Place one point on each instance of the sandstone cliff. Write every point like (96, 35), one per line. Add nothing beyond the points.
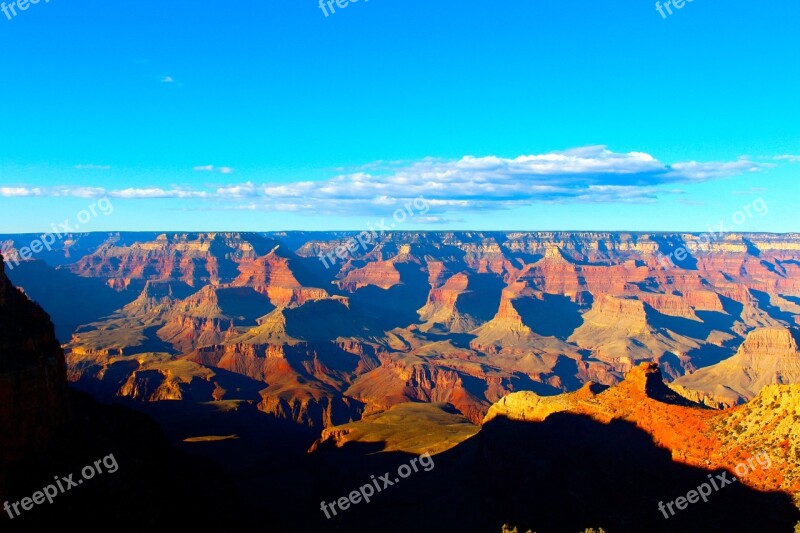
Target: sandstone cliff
(767, 356)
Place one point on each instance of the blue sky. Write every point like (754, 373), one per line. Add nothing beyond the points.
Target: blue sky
(521, 114)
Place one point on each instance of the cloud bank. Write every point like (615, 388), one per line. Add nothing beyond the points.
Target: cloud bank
(592, 174)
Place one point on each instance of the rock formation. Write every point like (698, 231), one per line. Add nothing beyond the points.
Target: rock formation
(458, 317)
(767, 356)
(693, 434)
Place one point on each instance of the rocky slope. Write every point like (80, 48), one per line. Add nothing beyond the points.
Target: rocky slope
(457, 317)
(620, 332)
(767, 356)
(693, 434)
(46, 428)
(408, 427)
(600, 456)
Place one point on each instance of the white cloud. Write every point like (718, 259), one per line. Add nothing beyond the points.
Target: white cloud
(157, 192)
(238, 191)
(20, 191)
(212, 168)
(438, 220)
(694, 170)
(80, 192)
(592, 174)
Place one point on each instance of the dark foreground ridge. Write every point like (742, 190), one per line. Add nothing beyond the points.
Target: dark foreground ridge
(47, 430)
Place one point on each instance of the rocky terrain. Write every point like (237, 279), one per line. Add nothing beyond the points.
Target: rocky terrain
(47, 428)
(694, 435)
(545, 371)
(597, 457)
(460, 318)
(768, 356)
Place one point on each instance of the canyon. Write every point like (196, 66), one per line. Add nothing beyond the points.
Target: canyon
(514, 358)
(463, 318)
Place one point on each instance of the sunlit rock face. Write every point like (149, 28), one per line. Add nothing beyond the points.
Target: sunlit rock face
(768, 356)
